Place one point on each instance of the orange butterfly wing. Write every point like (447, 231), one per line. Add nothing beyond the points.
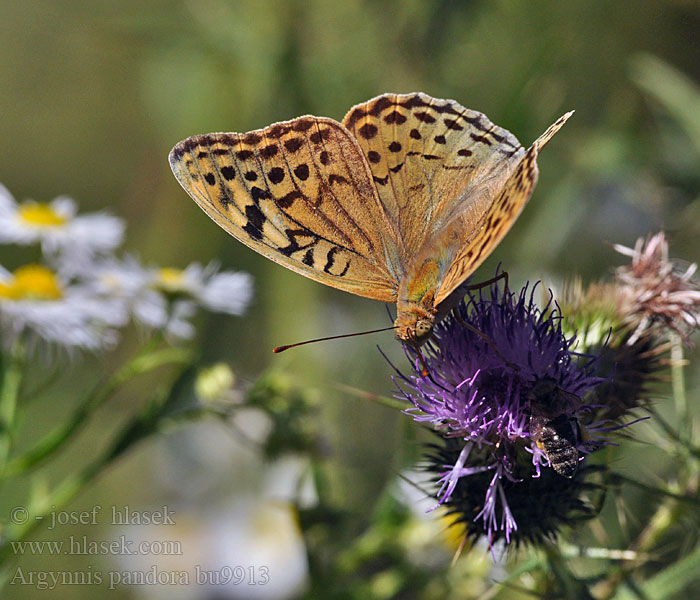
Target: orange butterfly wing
(300, 193)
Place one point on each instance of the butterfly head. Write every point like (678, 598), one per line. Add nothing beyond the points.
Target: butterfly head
(414, 326)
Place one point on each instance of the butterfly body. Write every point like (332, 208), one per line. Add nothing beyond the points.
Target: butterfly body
(400, 202)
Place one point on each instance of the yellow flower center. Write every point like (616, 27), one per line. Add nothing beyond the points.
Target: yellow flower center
(171, 280)
(32, 282)
(40, 215)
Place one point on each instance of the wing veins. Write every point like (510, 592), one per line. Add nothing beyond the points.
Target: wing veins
(311, 207)
(339, 206)
(293, 220)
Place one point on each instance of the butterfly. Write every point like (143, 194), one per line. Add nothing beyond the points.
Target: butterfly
(400, 202)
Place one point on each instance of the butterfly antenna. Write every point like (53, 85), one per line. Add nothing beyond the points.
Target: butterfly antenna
(279, 349)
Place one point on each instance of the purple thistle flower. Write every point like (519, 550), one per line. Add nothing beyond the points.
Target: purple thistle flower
(483, 365)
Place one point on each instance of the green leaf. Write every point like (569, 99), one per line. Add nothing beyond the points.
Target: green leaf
(677, 93)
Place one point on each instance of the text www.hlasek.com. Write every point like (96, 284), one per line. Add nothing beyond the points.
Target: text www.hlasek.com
(81, 545)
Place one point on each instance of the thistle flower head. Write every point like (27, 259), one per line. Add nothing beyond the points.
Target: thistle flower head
(658, 292)
(629, 360)
(485, 365)
(533, 509)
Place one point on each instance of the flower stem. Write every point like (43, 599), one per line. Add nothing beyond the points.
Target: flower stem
(54, 440)
(9, 392)
(678, 386)
(145, 424)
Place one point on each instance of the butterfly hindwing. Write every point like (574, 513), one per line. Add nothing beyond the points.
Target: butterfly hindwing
(470, 243)
(431, 159)
(300, 193)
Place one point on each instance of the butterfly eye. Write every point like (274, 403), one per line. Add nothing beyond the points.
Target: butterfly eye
(424, 330)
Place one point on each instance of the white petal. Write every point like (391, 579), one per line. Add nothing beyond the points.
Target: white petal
(228, 292)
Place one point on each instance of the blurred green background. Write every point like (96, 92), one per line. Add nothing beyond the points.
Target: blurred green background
(94, 95)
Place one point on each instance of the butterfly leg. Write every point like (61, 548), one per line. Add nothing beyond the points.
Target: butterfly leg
(488, 282)
(456, 297)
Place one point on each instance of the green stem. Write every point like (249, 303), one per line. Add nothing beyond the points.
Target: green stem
(145, 361)
(616, 478)
(39, 511)
(9, 392)
(665, 517)
(680, 398)
(667, 513)
(144, 425)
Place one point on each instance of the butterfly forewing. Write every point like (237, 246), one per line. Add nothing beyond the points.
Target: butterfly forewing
(300, 193)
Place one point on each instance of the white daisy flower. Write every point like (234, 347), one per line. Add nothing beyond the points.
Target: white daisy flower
(166, 298)
(36, 305)
(226, 292)
(77, 239)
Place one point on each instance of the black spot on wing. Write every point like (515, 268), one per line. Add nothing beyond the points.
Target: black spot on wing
(276, 175)
(333, 178)
(481, 139)
(294, 245)
(259, 194)
(425, 117)
(269, 151)
(330, 259)
(394, 117)
(303, 124)
(252, 139)
(293, 144)
(288, 199)
(321, 135)
(368, 131)
(228, 172)
(256, 219)
(308, 258)
(302, 171)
